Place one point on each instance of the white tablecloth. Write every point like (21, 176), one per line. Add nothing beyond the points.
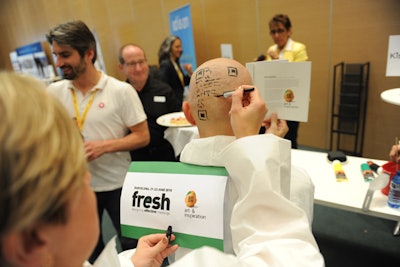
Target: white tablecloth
(391, 96)
(343, 195)
(180, 136)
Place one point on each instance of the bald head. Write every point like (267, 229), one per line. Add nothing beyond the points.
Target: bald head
(212, 78)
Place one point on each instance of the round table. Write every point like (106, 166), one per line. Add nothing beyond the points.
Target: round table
(391, 96)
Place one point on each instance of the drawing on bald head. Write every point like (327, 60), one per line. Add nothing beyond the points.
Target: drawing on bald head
(205, 87)
(210, 79)
(232, 71)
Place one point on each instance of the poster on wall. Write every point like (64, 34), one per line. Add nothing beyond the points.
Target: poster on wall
(393, 58)
(99, 64)
(180, 21)
(14, 62)
(32, 60)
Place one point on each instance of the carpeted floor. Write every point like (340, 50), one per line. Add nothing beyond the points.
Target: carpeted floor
(352, 239)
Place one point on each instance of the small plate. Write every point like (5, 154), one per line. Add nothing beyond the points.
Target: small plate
(176, 119)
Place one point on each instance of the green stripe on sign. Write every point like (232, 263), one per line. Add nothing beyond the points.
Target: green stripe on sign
(184, 240)
(175, 167)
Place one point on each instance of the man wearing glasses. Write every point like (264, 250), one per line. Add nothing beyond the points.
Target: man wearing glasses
(157, 97)
(285, 48)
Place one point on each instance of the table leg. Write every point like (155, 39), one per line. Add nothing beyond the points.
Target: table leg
(396, 230)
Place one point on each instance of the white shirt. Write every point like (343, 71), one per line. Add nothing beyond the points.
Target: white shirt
(116, 106)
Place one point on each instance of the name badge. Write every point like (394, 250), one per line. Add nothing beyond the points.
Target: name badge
(159, 99)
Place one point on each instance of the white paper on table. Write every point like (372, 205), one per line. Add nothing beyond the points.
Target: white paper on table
(285, 87)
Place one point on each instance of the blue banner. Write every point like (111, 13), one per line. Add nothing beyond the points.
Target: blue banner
(29, 49)
(180, 22)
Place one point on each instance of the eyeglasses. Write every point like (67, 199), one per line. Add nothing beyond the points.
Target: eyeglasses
(135, 63)
(279, 31)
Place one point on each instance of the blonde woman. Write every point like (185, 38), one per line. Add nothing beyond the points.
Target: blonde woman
(48, 214)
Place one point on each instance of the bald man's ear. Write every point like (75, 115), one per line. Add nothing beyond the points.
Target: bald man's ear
(188, 114)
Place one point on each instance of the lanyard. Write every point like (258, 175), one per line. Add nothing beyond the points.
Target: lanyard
(179, 72)
(81, 120)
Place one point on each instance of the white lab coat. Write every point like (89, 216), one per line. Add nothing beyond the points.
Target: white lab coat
(267, 229)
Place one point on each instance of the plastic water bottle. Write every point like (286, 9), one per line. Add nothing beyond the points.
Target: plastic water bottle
(394, 193)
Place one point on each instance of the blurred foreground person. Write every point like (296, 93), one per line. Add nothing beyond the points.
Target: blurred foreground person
(48, 213)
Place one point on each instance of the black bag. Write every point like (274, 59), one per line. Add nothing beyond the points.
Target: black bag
(339, 155)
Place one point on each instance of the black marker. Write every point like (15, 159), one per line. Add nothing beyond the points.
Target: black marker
(373, 166)
(169, 233)
(230, 93)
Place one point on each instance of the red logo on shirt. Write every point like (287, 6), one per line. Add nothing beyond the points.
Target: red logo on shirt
(101, 105)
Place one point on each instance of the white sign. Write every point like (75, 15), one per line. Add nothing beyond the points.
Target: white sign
(187, 197)
(393, 59)
(226, 51)
(285, 87)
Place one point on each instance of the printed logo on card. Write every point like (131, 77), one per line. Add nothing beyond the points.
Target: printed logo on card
(190, 199)
(288, 95)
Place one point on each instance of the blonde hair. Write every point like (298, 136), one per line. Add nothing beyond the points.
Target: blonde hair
(42, 161)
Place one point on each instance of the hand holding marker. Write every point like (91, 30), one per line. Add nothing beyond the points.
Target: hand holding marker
(230, 93)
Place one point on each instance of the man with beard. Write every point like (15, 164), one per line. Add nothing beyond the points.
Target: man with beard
(108, 112)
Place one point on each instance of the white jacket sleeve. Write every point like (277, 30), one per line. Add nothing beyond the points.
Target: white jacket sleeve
(267, 229)
(110, 258)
